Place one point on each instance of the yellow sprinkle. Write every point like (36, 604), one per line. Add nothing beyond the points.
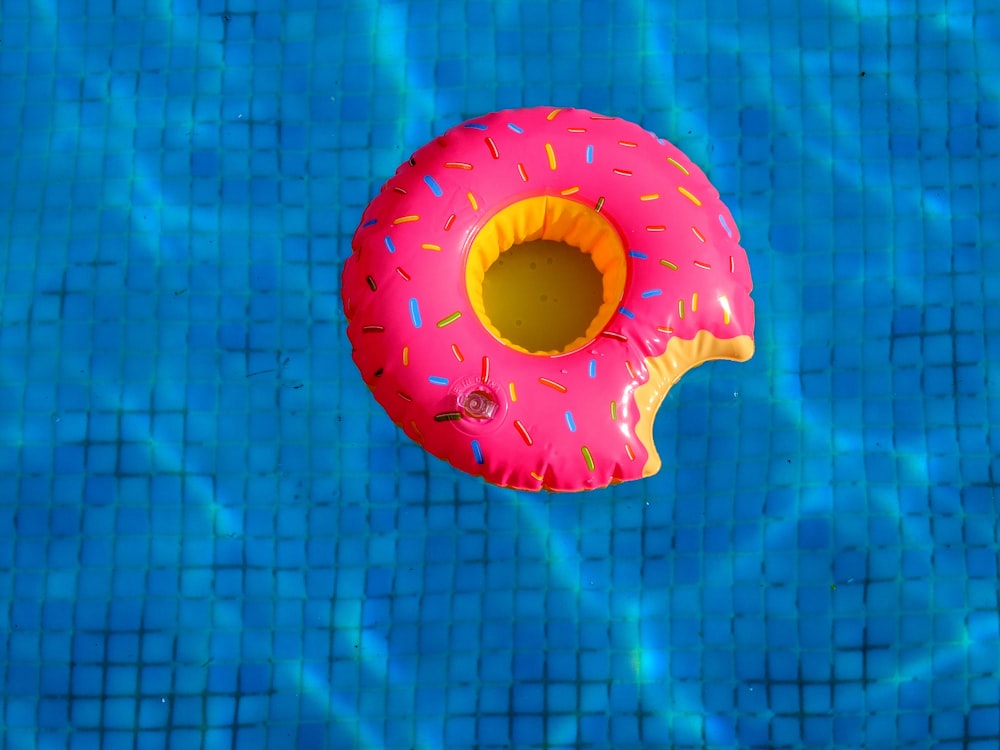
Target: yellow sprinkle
(552, 114)
(537, 476)
(551, 154)
(405, 219)
(677, 164)
(406, 356)
(726, 313)
(513, 393)
(680, 308)
(686, 194)
(650, 197)
(450, 319)
(587, 457)
(569, 191)
(694, 302)
(472, 200)
(614, 411)
(435, 248)
(668, 264)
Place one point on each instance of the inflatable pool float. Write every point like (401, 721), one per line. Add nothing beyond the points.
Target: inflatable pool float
(526, 289)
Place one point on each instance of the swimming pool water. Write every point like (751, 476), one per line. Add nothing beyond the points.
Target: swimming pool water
(211, 536)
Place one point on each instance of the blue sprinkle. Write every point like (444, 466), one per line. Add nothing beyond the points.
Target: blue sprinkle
(438, 380)
(637, 254)
(515, 128)
(592, 369)
(652, 293)
(569, 421)
(388, 244)
(626, 312)
(475, 125)
(369, 223)
(722, 220)
(477, 451)
(590, 154)
(435, 188)
(414, 312)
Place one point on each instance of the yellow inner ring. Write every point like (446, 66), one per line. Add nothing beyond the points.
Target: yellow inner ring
(557, 220)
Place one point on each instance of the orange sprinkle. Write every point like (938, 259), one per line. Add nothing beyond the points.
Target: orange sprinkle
(665, 329)
(535, 475)
(419, 434)
(522, 432)
(457, 352)
(569, 191)
(576, 130)
(521, 171)
(629, 453)
(631, 370)
(628, 144)
(656, 228)
(458, 165)
(553, 384)
(698, 234)
(406, 356)
(405, 219)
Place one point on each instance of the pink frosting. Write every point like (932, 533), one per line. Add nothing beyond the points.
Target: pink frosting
(422, 361)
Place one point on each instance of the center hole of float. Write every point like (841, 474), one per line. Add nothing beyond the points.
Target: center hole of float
(546, 274)
(542, 295)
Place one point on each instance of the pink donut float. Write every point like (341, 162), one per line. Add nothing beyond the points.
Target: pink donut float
(525, 290)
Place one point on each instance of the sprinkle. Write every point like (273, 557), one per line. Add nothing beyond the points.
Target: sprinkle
(406, 356)
(477, 451)
(513, 393)
(655, 228)
(515, 128)
(668, 264)
(628, 144)
(448, 416)
(629, 453)
(404, 274)
(493, 148)
(404, 396)
(569, 191)
(435, 248)
(416, 430)
(552, 115)
(449, 320)
(432, 184)
(678, 165)
(576, 130)
(415, 312)
(485, 372)
(457, 352)
(601, 117)
(680, 308)
(536, 475)
(665, 329)
(373, 329)
(592, 368)
(552, 156)
(626, 312)
(683, 191)
(406, 219)
(457, 165)
(703, 265)
(614, 335)
(553, 384)
(722, 220)
(437, 380)
(472, 201)
(412, 161)
(694, 302)
(449, 222)
(371, 283)
(600, 204)
(637, 254)
(614, 411)
(379, 371)
(523, 432)
(732, 265)
(521, 171)
(726, 312)
(569, 421)
(630, 369)
(388, 244)
(623, 172)
(475, 125)
(369, 223)
(652, 293)
(399, 190)
(698, 234)
(649, 197)
(587, 457)
(590, 154)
